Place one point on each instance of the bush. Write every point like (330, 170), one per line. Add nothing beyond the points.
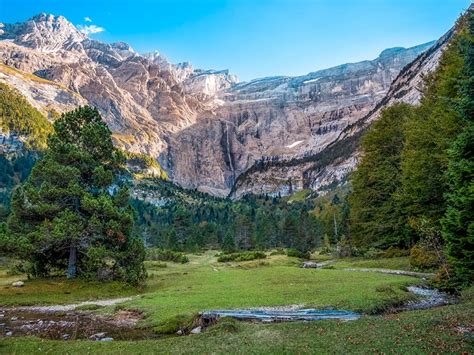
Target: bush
(157, 265)
(279, 251)
(345, 249)
(157, 254)
(242, 256)
(394, 252)
(422, 258)
(298, 254)
(444, 279)
(18, 267)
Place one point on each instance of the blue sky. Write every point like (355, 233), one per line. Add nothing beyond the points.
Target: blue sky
(255, 38)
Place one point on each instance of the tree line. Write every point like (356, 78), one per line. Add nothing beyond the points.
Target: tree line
(414, 184)
(191, 221)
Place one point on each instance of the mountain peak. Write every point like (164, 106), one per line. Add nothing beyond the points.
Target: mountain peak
(391, 51)
(395, 51)
(45, 32)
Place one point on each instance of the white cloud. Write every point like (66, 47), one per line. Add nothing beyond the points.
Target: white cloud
(87, 19)
(90, 29)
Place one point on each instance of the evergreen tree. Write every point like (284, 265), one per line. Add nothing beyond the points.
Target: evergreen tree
(429, 134)
(375, 215)
(243, 232)
(228, 244)
(458, 223)
(67, 216)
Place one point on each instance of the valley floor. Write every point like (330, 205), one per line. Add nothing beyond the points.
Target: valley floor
(204, 284)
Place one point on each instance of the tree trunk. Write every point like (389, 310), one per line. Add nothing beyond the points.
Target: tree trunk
(71, 268)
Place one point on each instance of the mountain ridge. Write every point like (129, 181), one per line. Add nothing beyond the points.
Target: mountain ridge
(204, 126)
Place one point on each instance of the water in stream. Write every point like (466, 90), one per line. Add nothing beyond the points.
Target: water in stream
(122, 325)
(282, 315)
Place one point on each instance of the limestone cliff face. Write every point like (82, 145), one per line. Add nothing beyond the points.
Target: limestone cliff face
(210, 132)
(333, 163)
(279, 119)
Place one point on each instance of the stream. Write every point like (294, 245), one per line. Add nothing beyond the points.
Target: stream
(427, 298)
(281, 315)
(66, 323)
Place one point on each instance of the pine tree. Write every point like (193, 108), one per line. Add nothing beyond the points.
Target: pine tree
(375, 215)
(65, 216)
(458, 223)
(429, 134)
(228, 243)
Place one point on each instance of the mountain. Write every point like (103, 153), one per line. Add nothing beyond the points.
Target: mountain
(143, 98)
(332, 164)
(272, 135)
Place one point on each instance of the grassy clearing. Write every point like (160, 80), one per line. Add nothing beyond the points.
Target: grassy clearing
(441, 330)
(204, 284)
(299, 196)
(191, 292)
(177, 291)
(60, 291)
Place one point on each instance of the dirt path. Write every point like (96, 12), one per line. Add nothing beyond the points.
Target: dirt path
(68, 307)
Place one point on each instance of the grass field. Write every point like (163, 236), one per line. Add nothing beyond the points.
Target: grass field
(205, 284)
(438, 330)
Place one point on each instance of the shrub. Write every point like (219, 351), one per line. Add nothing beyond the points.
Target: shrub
(298, 254)
(422, 258)
(345, 249)
(444, 279)
(157, 265)
(18, 267)
(279, 251)
(157, 254)
(242, 256)
(394, 252)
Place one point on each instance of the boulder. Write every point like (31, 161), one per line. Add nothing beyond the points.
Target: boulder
(196, 330)
(97, 336)
(311, 265)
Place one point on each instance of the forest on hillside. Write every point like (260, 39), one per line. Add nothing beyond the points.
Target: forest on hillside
(415, 184)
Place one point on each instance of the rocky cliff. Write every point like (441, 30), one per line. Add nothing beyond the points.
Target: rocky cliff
(210, 132)
(333, 163)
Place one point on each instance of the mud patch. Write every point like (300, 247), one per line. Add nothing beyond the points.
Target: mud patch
(73, 325)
